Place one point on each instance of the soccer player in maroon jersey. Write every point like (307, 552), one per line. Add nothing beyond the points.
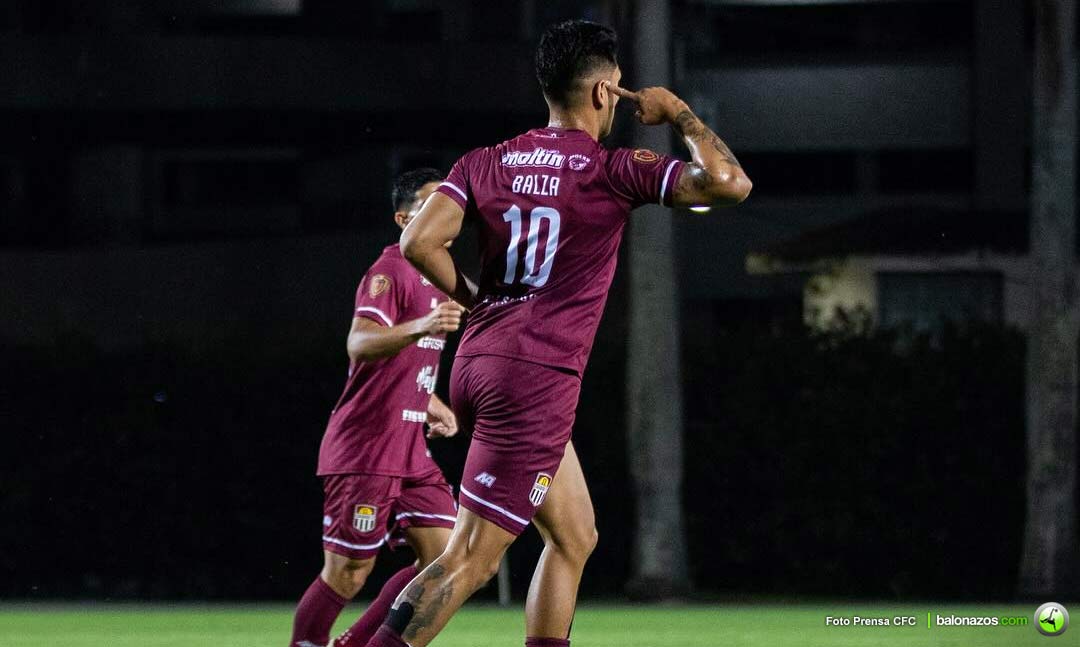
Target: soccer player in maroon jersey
(550, 207)
(379, 480)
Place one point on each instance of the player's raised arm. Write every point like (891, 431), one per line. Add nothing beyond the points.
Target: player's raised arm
(425, 241)
(714, 177)
(369, 340)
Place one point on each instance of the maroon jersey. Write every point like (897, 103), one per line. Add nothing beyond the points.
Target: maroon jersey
(377, 425)
(550, 206)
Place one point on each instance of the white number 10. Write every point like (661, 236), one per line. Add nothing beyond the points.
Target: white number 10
(532, 275)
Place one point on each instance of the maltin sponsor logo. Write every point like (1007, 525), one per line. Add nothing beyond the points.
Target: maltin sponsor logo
(536, 157)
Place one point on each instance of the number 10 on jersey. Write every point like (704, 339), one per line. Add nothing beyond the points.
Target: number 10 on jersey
(531, 275)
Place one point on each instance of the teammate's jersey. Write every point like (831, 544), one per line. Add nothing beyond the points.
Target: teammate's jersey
(550, 207)
(377, 425)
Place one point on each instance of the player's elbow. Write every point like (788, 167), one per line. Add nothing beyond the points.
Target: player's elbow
(416, 245)
(410, 245)
(356, 350)
(739, 187)
(729, 186)
(361, 347)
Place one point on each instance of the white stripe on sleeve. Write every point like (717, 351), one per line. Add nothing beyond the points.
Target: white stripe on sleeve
(663, 183)
(382, 315)
(456, 189)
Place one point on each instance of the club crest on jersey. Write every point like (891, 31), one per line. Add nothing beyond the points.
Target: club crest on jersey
(379, 283)
(540, 488)
(578, 162)
(645, 156)
(363, 518)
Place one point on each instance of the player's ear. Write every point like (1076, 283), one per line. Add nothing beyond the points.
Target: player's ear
(401, 218)
(600, 95)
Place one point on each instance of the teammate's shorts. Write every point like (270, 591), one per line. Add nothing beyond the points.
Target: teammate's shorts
(521, 415)
(361, 512)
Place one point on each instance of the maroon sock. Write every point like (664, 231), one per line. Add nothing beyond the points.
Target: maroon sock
(315, 615)
(386, 637)
(547, 642)
(360, 633)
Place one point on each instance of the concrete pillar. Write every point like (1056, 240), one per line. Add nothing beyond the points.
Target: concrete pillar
(654, 391)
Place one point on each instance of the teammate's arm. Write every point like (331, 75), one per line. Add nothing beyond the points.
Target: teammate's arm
(714, 177)
(441, 420)
(424, 244)
(369, 340)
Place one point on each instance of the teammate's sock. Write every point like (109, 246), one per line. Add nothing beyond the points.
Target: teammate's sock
(386, 637)
(315, 615)
(546, 642)
(360, 633)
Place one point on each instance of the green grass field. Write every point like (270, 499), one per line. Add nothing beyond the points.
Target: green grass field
(130, 625)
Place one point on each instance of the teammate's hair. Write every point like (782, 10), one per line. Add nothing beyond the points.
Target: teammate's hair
(408, 183)
(570, 50)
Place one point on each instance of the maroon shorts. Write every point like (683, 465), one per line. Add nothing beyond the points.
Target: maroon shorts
(521, 415)
(361, 512)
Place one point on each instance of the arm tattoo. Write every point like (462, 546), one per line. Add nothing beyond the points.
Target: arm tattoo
(689, 126)
(695, 178)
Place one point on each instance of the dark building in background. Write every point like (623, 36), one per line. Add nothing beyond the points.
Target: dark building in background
(190, 189)
(149, 128)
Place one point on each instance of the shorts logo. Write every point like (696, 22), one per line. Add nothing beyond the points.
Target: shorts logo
(379, 283)
(485, 479)
(578, 162)
(540, 488)
(645, 156)
(363, 518)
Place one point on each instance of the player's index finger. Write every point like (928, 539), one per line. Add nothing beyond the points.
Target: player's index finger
(623, 92)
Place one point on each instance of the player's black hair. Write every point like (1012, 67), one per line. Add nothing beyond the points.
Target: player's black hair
(408, 183)
(568, 51)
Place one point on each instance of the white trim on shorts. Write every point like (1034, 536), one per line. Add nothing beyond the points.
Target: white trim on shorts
(494, 507)
(425, 515)
(346, 544)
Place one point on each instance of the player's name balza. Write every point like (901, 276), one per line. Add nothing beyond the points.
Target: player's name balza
(535, 184)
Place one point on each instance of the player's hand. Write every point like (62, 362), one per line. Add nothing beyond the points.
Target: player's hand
(654, 105)
(441, 420)
(446, 317)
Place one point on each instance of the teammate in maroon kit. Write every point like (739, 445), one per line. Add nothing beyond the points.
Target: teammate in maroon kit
(379, 480)
(550, 207)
